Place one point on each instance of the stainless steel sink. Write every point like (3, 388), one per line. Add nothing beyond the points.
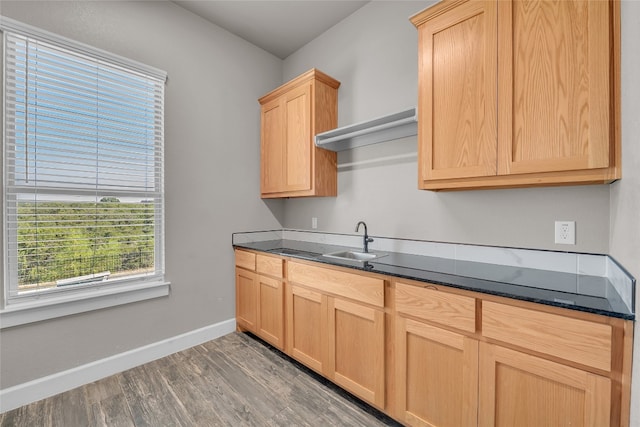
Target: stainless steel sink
(355, 255)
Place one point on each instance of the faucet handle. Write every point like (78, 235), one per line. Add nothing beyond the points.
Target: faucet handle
(369, 239)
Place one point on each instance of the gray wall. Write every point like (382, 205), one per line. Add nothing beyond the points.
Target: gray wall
(625, 194)
(212, 176)
(374, 54)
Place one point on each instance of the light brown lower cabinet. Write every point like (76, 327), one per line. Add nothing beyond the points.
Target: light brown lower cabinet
(246, 300)
(260, 306)
(451, 357)
(517, 389)
(340, 339)
(259, 298)
(335, 324)
(271, 310)
(447, 379)
(436, 375)
(356, 349)
(306, 327)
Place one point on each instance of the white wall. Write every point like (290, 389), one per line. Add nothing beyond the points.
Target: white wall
(625, 194)
(212, 176)
(374, 54)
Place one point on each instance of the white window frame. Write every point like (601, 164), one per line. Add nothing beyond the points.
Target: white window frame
(37, 307)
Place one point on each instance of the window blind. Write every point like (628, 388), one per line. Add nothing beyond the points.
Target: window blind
(83, 162)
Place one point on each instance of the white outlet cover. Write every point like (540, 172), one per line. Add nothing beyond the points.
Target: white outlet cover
(565, 232)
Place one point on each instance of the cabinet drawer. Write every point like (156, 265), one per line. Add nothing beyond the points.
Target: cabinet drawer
(580, 341)
(269, 265)
(246, 260)
(361, 288)
(434, 305)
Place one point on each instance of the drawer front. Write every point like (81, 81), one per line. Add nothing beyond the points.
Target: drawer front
(361, 288)
(434, 305)
(580, 341)
(246, 260)
(269, 265)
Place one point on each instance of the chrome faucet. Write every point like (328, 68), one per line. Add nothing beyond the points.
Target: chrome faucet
(367, 239)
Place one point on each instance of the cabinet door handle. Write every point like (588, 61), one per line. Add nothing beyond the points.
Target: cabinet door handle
(430, 287)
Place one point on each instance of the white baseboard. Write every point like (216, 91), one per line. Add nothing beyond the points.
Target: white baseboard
(32, 391)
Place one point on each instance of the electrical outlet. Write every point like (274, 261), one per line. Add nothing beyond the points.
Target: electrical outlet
(565, 232)
(314, 223)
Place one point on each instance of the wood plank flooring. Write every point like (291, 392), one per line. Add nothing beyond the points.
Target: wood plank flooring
(235, 380)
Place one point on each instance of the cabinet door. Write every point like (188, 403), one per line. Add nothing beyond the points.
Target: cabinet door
(517, 389)
(554, 85)
(457, 92)
(246, 300)
(273, 147)
(356, 349)
(436, 375)
(270, 311)
(297, 107)
(306, 327)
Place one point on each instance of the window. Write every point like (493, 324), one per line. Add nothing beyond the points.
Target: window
(83, 168)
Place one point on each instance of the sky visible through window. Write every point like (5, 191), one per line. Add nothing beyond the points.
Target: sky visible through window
(80, 123)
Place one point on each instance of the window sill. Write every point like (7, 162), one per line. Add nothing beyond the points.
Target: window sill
(21, 313)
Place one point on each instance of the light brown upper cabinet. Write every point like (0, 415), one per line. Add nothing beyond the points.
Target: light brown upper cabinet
(291, 115)
(518, 93)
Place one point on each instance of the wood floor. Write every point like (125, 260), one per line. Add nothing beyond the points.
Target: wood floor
(235, 380)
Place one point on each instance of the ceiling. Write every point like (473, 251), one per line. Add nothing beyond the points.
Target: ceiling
(279, 27)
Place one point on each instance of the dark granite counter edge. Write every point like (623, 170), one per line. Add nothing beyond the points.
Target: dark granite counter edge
(445, 279)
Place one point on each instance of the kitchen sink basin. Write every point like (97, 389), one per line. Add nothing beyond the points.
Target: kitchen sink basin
(355, 255)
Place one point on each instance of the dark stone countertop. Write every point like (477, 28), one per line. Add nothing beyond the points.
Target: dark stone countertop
(591, 294)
